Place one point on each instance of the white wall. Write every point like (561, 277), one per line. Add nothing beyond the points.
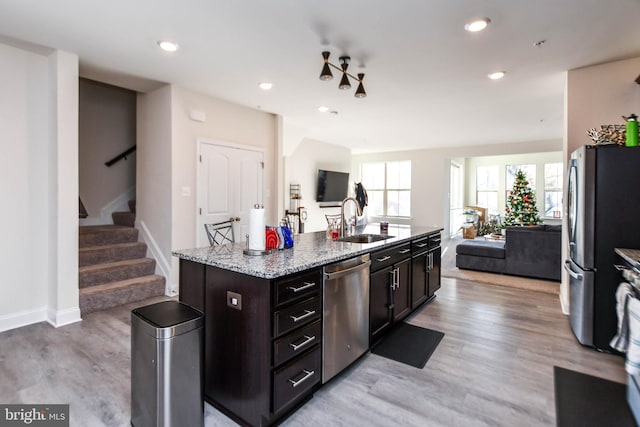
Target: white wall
(38, 128)
(167, 162)
(107, 128)
(430, 174)
(153, 175)
(301, 167)
(600, 95)
(596, 95)
(63, 189)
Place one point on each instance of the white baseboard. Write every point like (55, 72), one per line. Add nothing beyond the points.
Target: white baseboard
(163, 267)
(22, 318)
(563, 306)
(119, 204)
(64, 317)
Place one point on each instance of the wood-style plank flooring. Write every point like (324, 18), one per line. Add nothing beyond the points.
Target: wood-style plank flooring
(494, 367)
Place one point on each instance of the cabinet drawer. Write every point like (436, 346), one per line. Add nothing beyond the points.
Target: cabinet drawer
(420, 245)
(434, 240)
(296, 343)
(295, 316)
(294, 379)
(384, 258)
(298, 287)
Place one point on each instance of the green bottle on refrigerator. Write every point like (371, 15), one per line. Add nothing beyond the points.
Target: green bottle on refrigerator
(632, 130)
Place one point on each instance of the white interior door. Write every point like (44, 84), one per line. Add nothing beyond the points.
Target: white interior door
(230, 182)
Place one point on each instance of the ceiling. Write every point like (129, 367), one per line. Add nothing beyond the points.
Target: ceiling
(425, 76)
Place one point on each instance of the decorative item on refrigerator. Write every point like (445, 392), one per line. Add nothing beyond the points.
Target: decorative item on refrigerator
(632, 130)
(256, 229)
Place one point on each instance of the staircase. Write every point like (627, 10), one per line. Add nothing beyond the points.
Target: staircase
(114, 269)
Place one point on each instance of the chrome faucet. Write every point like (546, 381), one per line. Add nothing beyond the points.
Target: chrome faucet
(343, 223)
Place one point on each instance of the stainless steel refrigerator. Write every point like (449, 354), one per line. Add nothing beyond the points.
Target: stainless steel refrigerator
(603, 212)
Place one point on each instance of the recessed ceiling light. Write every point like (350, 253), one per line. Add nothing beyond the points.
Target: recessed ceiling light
(497, 75)
(477, 25)
(323, 108)
(266, 85)
(168, 46)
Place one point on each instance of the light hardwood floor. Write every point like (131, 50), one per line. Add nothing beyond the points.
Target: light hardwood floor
(494, 367)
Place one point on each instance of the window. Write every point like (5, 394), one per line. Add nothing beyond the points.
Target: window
(487, 188)
(510, 177)
(456, 198)
(553, 190)
(388, 187)
(529, 171)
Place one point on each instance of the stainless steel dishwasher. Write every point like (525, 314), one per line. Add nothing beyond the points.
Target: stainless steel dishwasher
(345, 321)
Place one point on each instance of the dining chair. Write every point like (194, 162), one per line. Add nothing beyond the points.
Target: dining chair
(220, 232)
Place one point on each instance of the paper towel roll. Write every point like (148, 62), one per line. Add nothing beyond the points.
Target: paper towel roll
(256, 230)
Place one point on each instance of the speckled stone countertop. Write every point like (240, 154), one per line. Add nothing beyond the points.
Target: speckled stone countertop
(632, 256)
(309, 250)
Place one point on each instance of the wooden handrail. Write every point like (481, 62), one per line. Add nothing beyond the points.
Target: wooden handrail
(120, 156)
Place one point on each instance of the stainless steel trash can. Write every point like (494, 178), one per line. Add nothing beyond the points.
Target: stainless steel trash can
(166, 365)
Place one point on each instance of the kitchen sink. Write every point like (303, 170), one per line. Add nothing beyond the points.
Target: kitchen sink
(364, 238)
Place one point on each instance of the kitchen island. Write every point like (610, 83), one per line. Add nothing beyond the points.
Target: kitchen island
(263, 314)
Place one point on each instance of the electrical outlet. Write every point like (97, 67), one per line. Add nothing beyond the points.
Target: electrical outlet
(234, 300)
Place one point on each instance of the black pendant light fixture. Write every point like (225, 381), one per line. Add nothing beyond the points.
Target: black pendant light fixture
(344, 81)
(345, 84)
(326, 71)
(360, 93)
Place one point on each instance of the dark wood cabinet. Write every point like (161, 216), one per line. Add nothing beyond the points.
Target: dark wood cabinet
(263, 355)
(380, 296)
(263, 337)
(434, 270)
(389, 289)
(402, 291)
(419, 279)
(425, 269)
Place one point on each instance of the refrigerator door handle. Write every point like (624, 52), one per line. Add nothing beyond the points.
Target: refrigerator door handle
(572, 273)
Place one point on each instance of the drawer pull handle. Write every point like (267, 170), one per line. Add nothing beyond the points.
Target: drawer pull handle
(306, 314)
(307, 375)
(421, 245)
(404, 251)
(436, 240)
(384, 258)
(307, 285)
(307, 340)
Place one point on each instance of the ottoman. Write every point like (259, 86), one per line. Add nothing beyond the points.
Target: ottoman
(481, 255)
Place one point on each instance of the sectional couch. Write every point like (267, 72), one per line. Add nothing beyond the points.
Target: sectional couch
(533, 251)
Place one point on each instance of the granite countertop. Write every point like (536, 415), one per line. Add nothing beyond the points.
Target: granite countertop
(309, 250)
(632, 256)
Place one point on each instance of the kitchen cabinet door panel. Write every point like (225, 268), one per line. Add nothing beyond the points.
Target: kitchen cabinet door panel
(402, 292)
(379, 293)
(419, 279)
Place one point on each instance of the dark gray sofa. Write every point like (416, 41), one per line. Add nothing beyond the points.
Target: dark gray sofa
(527, 251)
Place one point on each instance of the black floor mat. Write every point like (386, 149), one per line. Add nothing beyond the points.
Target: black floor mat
(409, 344)
(583, 401)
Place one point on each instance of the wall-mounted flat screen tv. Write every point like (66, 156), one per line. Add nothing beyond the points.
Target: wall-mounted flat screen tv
(332, 187)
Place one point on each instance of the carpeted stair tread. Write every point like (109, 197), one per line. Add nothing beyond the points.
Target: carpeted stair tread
(100, 235)
(110, 253)
(92, 275)
(126, 219)
(109, 295)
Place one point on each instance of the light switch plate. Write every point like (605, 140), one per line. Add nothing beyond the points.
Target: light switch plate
(234, 300)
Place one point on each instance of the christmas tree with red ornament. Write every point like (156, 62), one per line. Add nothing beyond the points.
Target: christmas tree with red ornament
(521, 203)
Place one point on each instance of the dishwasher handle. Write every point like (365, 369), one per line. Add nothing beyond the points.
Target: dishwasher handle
(340, 273)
